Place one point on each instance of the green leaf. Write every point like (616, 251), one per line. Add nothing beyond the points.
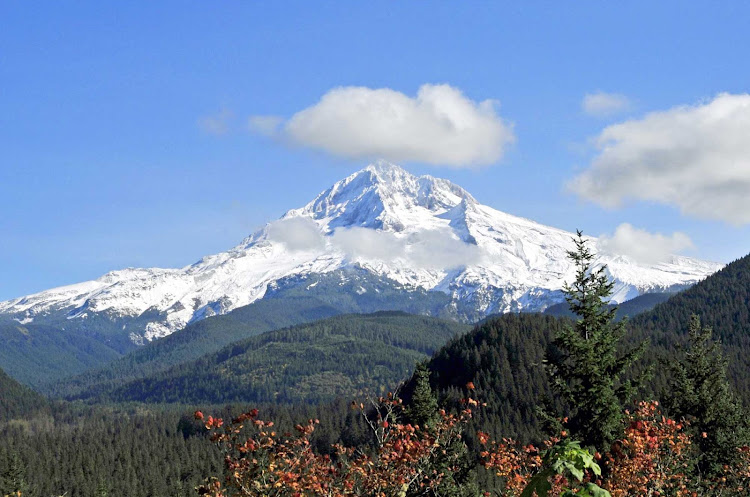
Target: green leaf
(593, 490)
(539, 484)
(573, 470)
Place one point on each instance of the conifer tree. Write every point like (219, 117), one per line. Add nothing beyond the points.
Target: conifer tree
(454, 461)
(102, 489)
(423, 407)
(700, 392)
(588, 369)
(13, 478)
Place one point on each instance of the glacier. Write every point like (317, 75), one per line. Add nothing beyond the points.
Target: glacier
(419, 232)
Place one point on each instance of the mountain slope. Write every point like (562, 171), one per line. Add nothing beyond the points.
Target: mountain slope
(503, 355)
(290, 303)
(415, 233)
(36, 353)
(722, 301)
(18, 401)
(340, 356)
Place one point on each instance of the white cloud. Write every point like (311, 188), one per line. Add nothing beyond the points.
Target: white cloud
(368, 244)
(602, 104)
(439, 250)
(297, 233)
(217, 124)
(439, 126)
(643, 246)
(696, 158)
(265, 125)
(432, 249)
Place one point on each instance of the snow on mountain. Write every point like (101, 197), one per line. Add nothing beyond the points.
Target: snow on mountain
(419, 232)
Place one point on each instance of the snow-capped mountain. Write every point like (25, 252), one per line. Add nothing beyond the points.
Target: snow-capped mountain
(417, 232)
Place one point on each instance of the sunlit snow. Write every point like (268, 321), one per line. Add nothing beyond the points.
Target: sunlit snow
(420, 232)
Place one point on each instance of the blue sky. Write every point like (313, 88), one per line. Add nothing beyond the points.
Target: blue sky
(108, 158)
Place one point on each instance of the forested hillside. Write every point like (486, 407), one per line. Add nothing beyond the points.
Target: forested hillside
(138, 450)
(98, 452)
(722, 301)
(34, 353)
(153, 450)
(345, 356)
(504, 355)
(195, 340)
(291, 301)
(18, 401)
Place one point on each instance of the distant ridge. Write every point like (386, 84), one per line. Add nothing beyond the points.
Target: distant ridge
(629, 308)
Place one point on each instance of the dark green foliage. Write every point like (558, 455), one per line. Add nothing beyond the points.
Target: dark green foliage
(13, 476)
(102, 490)
(103, 452)
(344, 356)
(140, 450)
(18, 401)
(422, 410)
(423, 405)
(35, 353)
(503, 357)
(699, 391)
(459, 467)
(723, 303)
(588, 370)
(195, 340)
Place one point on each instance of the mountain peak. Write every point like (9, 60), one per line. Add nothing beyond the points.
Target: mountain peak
(424, 233)
(384, 169)
(382, 196)
(384, 173)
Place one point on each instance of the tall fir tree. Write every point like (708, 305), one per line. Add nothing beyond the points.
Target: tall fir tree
(588, 369)
(13, 478)
(102, 490)
(700, 392)
(423, 406)
(454, 462)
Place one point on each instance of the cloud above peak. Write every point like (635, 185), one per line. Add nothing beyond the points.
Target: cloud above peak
(438, 126)
(695, 158)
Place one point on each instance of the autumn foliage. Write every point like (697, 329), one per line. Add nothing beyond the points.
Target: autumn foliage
(259, 461)
(653, 458)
